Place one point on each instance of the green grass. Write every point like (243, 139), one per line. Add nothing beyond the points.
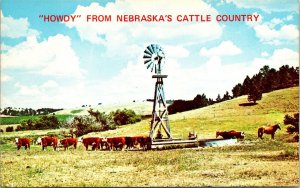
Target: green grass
(19, 119)
(15, 119)
(251, 162)
(76, 111)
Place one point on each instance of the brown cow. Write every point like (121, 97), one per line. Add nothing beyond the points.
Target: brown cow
(69, 142)
(116, 142)
(92, 141)
(47, 141)
(23, 142)
(230, 134)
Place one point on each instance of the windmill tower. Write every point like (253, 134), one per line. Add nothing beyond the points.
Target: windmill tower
(160, 126)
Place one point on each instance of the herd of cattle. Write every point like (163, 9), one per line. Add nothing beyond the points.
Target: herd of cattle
(96, 143)
(113, 143)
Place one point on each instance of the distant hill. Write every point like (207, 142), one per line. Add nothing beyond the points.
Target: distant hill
(228, 115)
(143, 108)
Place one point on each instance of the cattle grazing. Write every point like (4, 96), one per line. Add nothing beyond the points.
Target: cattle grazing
(47, 141)
(95, 142)
(268, 130)
(69, 142)
(22, 142)
(116, 142)
(230, 134)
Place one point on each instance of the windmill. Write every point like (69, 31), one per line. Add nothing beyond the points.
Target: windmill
(153, 57)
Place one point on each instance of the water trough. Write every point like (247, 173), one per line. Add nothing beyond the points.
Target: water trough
(161, 143)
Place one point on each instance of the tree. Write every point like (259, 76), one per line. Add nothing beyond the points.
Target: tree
(293, 121)
(254, 93)
(218, 99)
(101, 117)
(246, 85)
(200, 101)
(226, 96)
(237, 90)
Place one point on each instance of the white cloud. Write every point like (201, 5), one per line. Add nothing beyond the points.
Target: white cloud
(176, 51)
(4, 48)
(268, 6)
(275, 32)
(289, 18)
(269, 35)
(264, 54)
(28, 91)
(226, 48)
(134, 82)
(50, 84)
(53, 56)
(259, 21)
(5, 77)
(122, 34)
(279, 57)
(16, 28)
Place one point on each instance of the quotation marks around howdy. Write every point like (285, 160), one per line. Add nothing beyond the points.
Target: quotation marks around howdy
(59, 18)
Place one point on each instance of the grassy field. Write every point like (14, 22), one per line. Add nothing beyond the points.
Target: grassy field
(251, 162)
(19, 119)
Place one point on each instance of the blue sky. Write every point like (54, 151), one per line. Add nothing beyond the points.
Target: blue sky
(70, 64)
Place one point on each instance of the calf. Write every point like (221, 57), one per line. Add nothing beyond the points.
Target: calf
(47, 141)
(22, 142)
(230, 134)
(69, 142)
(116, 142)
(92, 141)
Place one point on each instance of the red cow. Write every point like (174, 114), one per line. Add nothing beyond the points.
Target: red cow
(69, 142)
(92, 141)
(116, 142)
(47, 141)
(230, 134)
(23, 142)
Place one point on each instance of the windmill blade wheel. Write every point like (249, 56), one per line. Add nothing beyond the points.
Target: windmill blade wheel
(153, 55)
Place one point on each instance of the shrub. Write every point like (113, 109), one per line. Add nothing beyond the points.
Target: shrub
(44, 122)
(81, 125)
(9, 129)
(125, 116)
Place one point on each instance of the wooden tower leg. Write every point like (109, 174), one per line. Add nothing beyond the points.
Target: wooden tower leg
(160, 125)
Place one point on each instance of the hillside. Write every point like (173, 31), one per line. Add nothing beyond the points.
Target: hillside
(227, 115)
(143, 108)
(251, 162)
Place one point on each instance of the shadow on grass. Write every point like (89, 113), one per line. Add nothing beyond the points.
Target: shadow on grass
(248, 104)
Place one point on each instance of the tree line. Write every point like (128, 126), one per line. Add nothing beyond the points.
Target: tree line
(27, 111)
(266, 80)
